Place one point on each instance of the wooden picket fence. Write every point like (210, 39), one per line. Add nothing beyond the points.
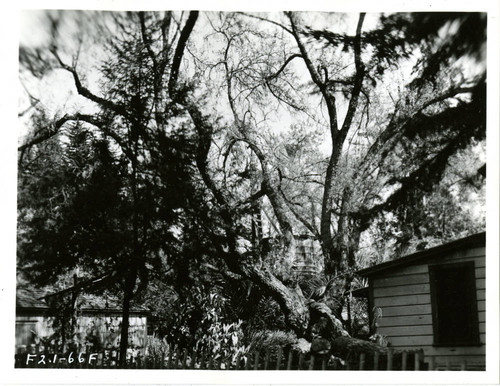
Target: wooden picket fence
(175, 358)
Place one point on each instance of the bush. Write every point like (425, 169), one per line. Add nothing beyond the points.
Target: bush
(269, 339)
(202, 322)
(156, 347)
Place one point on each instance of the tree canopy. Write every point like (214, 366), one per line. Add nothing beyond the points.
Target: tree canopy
(226, 150)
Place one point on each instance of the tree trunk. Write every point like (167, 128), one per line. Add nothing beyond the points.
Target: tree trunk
(127, 297)
(344, 346)
(292, 302)
(330, 327)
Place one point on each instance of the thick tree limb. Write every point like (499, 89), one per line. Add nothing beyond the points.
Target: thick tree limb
(49, 132)
(358, 81)
(85, 92)
(147, 41)
(397, 128)
(290, 300)
(204, 131)
(471, 121)
(325, 222)
(165, 27)
(88, 285)
(267, 21)
(302, 219)
(283, 66)
(334, 325)
(316, 78)
(179, 52)
(269, 183)
(338, 139)
(281, 99)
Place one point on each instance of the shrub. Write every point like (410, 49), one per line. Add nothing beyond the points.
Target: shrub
(271, 339)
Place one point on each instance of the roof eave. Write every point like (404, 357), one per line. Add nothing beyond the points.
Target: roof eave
(478, 239)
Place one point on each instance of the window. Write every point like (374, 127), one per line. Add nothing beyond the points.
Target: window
(454, 308)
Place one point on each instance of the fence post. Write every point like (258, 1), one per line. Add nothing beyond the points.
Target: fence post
(256, 360)
(176, 360)
(153, 365)
(266, 359)
(417, 361)
(162, 359)
(278, 359)
(184, 358)
(237, 361)
(115, 357)
(362, 361)
(404, 359)
(203, 359)
(290, 358)
(193, 358)
(301, 361)
(390, 353)
(125, 363)
(448, 367)
(463, 365)
(431, 363)
(375, 360)
(170, 353)
(210, 361)
(311, 363)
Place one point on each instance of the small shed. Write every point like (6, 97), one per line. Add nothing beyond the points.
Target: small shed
(433, 300)
(98, 320)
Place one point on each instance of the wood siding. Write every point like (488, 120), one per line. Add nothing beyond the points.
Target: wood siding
(29, 329)
(100, 328)
(403, 297)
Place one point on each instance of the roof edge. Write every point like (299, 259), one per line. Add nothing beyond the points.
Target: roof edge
(21, 310)
(478, 239)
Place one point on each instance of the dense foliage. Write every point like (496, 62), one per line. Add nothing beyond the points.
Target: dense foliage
(232, 171)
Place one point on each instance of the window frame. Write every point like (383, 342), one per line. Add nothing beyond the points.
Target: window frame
(474, 339)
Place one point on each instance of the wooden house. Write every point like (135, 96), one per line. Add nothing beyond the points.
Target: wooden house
(433, 300)
(97, 321)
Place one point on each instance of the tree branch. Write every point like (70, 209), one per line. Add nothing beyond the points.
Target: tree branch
(147, 42)
(282, 68)
(358, 81)
(424, 177)
(85, 92)
(302, 219)
(275, 75)
(49, 132)
(179, 52)
(267, 21)
(395, 130)
(305, 56)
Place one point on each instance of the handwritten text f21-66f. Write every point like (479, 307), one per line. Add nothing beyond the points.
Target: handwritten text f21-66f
(43, 359)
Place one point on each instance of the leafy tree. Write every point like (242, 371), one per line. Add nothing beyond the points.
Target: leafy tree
(123, 215)
(210, 181)
(389, 147)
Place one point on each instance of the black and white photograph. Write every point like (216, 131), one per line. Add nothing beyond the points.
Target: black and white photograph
(230, 191)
